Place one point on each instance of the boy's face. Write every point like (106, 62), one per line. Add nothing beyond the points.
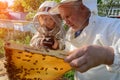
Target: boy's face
(47, 21)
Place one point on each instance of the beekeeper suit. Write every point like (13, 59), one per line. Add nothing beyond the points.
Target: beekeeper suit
(101, 31)
(58, 31)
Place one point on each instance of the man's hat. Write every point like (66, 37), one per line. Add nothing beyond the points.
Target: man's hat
(91, 4)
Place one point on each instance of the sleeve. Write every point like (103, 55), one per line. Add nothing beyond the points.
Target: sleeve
(61, 44)
(61, 38)
(36, 39)
(115, 67)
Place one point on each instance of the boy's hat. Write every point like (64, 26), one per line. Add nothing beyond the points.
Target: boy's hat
(48, 4)
(91, 4)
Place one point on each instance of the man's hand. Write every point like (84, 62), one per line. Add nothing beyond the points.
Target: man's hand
(87, 57)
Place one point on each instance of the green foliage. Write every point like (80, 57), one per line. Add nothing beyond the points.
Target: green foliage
(1, 46)
(13, 36)
(30, 16)
(69, 75)
(30, 5)
(27, 39)
(99, 1)
(21, 41)
(66, 27)
(26, 5)
(108, 7)
(54, 0)
(17, 6)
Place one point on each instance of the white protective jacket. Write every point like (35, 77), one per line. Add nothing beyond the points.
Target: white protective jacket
(58, 31)
(101, 31)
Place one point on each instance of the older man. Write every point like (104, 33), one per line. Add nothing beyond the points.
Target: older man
(93, 41)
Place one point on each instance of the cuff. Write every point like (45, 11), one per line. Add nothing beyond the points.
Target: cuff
(115, 67)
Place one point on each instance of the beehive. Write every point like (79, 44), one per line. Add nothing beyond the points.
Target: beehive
(25, 63)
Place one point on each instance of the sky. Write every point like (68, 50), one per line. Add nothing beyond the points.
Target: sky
(10, 2)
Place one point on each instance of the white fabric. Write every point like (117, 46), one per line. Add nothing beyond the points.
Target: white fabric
(103, 32)
(48, 4)
(58, 32)
(64, 1)
(53, 16)
(91, 4)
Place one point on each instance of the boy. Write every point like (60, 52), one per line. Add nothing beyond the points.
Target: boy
(50, 33)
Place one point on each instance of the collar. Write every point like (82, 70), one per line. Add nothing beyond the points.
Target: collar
(91, 24)
(86, 30)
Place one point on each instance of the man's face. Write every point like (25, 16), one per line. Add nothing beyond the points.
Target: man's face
(74, 15)
(47, 21)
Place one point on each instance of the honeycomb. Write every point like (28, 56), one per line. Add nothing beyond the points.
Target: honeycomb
(27, 63)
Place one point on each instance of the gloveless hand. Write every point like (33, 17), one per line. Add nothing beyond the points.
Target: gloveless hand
(87, 57)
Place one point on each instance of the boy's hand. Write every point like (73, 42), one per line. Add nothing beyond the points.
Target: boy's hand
(56, 44)
(48, 41)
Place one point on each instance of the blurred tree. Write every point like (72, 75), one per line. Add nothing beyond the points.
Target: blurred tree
(30, 16)
(26, 5)
(3, 10)
(17, 6)
(30, 6)
(3, 5)
(110, 8)
(54, 0)
(4, 16)
(99, 1)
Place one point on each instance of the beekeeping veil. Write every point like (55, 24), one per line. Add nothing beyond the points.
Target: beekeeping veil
(47, 5)
(91, 4)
